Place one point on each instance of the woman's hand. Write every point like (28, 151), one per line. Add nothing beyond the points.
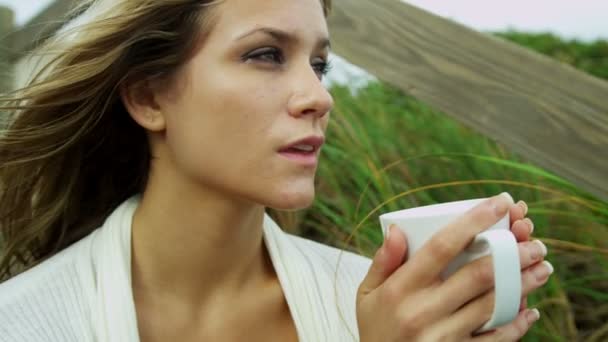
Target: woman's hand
(400, 301)
(522, 227)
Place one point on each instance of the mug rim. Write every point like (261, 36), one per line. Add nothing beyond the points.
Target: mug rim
(431, 210)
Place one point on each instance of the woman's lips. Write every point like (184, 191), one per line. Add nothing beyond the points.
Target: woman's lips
(298, 151)
(303, 158)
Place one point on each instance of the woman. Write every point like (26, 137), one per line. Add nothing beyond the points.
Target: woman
(135, 178)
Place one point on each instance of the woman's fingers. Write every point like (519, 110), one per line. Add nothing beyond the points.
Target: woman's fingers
(523, 304)
(432, 258)
(517, 211)
(463, 323)
(387, 259)
(522, 229)
(469, 318)
(513, 331)
(521, 226)
(474, 314)
(477, 277)
(531, 252)
(535, 276)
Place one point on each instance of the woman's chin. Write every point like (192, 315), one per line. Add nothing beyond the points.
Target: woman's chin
(292, 200)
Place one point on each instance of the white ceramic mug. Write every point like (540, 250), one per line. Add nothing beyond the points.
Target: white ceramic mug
(421, 223)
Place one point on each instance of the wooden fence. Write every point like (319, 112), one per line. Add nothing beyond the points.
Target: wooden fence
(551, 114)
(7, 20)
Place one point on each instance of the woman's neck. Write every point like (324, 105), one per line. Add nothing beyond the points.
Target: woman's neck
(197, 247)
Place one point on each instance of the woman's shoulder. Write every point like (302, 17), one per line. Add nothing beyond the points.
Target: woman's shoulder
(44, 303)
(36, 277)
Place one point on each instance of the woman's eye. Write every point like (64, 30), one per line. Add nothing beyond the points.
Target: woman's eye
(275, 56)
(271, 55)
(322, 67)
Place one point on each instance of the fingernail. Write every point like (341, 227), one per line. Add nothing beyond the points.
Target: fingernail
(539, 250)
(530, 224)
(541, 273)
(388, 232)
(500, 206)
(524, 206)
(508, 197)
(532, 315)
(549, 266)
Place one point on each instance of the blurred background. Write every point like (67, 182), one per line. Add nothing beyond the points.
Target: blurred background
(465, 99)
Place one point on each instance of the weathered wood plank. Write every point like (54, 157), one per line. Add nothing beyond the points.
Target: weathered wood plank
(551, 114)
(7, 21)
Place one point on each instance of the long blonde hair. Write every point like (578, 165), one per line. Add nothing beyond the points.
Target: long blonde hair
(70, 153)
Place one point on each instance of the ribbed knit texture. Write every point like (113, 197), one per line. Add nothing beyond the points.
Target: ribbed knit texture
(51, 303)
(45, 304)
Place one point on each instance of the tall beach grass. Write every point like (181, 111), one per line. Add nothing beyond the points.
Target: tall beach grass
(387, 151)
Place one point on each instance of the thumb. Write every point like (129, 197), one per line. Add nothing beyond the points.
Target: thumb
(388, 258)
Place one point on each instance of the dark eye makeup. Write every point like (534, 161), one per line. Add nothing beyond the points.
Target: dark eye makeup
(275, 55)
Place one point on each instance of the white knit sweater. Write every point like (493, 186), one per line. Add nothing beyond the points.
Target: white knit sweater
(84, 293)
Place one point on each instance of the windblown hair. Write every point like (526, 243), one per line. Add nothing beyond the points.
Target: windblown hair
(69, 151)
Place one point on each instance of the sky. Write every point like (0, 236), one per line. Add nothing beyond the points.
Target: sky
(571, 19)
(581, 19)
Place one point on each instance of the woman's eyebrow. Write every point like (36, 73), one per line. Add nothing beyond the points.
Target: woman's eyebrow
(284, 36)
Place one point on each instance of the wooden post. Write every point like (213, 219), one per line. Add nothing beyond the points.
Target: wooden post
(7, 77)
(7, 22)
(549, 113)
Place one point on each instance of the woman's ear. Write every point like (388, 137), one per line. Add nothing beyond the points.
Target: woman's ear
(139, 98)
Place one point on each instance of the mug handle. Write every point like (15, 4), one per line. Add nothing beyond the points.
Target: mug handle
(507, 276)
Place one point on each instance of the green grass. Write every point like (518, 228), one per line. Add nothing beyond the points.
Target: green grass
(387, 151)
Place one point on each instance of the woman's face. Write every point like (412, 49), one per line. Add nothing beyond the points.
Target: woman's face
(251, 90)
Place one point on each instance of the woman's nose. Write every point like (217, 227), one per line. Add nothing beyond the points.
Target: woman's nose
(310, 96)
